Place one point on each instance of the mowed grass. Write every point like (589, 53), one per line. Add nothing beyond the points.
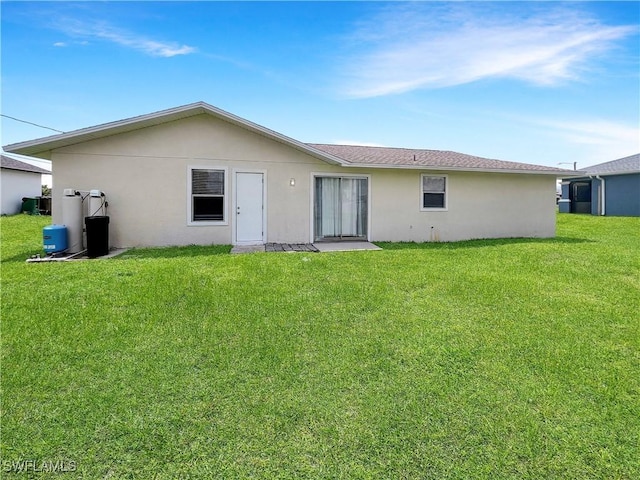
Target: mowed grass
(483, 359)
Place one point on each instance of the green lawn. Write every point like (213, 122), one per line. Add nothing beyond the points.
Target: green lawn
(484, 359)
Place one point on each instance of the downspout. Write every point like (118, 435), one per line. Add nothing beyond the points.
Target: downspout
(603, 192)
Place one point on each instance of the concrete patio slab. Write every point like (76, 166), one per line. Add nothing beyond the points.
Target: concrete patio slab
(344, 246)
(305, 247)
(247, 249)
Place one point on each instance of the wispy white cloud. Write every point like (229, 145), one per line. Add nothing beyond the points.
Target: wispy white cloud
(407, 47)
(100, 30)
(599, 139)
(60, 44)
(596, 132)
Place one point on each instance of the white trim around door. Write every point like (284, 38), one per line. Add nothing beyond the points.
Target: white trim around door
(249, 212)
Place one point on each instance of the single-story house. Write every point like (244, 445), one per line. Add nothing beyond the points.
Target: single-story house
(18, 180)
(196, 174)
(610, 188)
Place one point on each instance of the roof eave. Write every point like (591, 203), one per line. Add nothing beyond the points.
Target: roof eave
(461, 169)
(45, 145)
(42, 147)
(610, 174)
(44, 172)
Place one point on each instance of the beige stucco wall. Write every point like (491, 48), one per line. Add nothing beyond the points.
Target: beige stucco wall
(480, 205)
(144, 176)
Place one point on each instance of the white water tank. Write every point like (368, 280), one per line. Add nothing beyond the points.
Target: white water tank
(97, 204)
(72, 219)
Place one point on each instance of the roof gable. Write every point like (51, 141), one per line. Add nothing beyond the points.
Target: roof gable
(42, 147)
(343, 155)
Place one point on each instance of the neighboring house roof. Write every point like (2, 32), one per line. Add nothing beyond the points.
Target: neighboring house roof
(348, 156)
(13, 164)
(630, 164)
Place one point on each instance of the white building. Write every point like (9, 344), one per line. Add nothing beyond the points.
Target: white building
(18, 180)
(199, 175)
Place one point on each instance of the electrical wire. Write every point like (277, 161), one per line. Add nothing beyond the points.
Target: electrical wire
(30, 123)
(103, 201)
(101, 208)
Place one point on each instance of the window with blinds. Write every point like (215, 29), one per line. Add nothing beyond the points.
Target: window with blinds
(207, 195)
(434, 192)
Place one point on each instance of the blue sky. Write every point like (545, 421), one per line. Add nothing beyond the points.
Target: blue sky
(535, 82)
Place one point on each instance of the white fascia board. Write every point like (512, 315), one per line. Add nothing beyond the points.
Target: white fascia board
(611, 174)
(42, 147)
(559, 174)
(259, 129)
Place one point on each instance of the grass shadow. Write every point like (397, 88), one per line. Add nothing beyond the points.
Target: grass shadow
(157, 252)
(208, 250)
(22, 256)
(175, 252)
(479, 243)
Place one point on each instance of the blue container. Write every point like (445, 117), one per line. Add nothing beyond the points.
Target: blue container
(54, 238)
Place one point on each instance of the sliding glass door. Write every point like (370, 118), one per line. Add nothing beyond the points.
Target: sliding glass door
(341, 208)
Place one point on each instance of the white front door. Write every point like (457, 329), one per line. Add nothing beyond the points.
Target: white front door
(249, 208)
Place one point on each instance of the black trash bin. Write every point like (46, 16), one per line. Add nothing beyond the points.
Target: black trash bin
(97, 235)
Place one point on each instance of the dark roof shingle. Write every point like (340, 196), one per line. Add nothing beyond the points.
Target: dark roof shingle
(13, 164)
(364, 155)
(630, 164)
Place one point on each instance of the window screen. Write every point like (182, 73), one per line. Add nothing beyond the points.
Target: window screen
(207, 182)
(207, 195)
(434, 191)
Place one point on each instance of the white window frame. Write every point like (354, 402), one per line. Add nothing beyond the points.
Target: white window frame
(446, 193)
(225, 197)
